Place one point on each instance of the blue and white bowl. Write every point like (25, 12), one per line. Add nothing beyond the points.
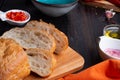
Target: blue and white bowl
(55, 8)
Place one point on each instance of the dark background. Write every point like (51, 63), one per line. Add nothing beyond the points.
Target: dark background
(83, 25)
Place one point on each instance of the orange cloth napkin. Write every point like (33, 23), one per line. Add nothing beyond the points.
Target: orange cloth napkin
(106, 70)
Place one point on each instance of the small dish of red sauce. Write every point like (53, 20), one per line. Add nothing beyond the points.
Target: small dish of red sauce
(16, 17)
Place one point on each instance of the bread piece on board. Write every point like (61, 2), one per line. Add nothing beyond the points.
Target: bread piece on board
(42, 62)
(13, 61)
(31, 38)
(60, 37)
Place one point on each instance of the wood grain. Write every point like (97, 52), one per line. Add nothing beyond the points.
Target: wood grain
(67, 62)
(103, 4)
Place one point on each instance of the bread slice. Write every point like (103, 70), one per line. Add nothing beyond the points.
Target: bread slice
(60, 37)
(31, 38)
(41, 61)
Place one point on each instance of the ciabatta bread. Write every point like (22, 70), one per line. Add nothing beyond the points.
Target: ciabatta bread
(13, 61)
(41, 61)
(31, 38)
(60, 37)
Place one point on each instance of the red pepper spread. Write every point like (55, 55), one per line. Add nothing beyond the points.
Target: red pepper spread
(16, 16)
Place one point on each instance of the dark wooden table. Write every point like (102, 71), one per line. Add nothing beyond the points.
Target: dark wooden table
(83, 25)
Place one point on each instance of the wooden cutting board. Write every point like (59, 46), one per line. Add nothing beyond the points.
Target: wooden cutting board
(103, 4)
(68, 62)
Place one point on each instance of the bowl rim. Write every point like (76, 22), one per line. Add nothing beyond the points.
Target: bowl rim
(57, 5)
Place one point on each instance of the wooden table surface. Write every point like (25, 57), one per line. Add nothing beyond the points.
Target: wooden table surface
(83, 25)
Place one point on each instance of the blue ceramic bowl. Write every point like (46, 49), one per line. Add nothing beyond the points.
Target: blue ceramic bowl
(55, 8)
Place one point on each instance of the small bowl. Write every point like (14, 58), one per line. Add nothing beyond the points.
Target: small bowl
(112, 30)
(55, 9)
(13, 22)
(109, 47)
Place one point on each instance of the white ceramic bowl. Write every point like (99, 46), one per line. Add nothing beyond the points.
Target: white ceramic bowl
(108, 43)
(54, 10)
(13, 22)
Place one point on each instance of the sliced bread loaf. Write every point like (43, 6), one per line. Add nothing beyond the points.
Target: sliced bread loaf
(60, 37)
(41, 61)
(31, 38)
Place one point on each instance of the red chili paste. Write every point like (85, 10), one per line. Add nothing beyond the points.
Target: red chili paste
(16, 16)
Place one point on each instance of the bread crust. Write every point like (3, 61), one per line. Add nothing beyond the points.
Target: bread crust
(13, 61)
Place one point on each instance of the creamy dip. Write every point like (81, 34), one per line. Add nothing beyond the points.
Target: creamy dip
(113, 52)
